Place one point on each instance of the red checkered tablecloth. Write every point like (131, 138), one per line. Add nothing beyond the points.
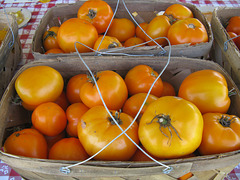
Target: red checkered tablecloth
(26, 35)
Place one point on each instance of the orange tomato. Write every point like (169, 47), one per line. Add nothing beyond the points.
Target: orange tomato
(107, 42)
(74, 113)
(73, 87)
(168, 89)
(49, 118)
(156, 31)
(68, 149)
(133, 41)
(99, 13)
(26, 142)
(76, 30)
(54, 51)
(122, 29)
(50, 38)
(139, 32)
(185, 31)
(51, 140)
(234, 24)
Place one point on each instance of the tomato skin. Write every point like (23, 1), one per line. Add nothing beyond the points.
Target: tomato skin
(155, 31)
(51, 140)
(28, 143)
(140, 78)
(50, 39)
(133, 41)
(73, 87)
(74, 113)
(178, 12)
(216, 137)
(112, 87)
(99, 13)
(122, 29)
(39, 84)
(96, 130)
(68, 149)
(168, 89)
(234, 24)
(49, 119)
(207, 89)
(76, 30)
(107, 43)
(185, 31)
(185, 118)
(54, 51)
(139, 32)
(133, 104)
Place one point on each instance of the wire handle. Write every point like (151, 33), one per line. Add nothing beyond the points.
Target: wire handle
(226, 42)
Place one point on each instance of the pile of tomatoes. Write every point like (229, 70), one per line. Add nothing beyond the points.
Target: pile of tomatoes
(177, 23)
(233, 29)
(72, 123)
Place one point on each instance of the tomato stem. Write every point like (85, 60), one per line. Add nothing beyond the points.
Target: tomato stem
(113, 45)
(165, 122)
(116, 117)
(225, 121)
(92, 13)
(50, 34)
(192, 26)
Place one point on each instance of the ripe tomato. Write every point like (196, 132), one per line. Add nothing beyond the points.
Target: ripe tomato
(74, 113)
(221, 133)
(51, 140)
(133, 104)
(54, 51)
(99, 13)
(168, 89)
(177, 12)
(166, 132)
(133, 41)
(76, 30)
(185, 31)
(49, 118)
(108, 42)
(139, 32)
(156, 31)
(232, 35)
(50, 39)
(237, 42)
(112, 87)
(140, 156)
(234, 24)
(122, 29)
(207, 89)
(28, 143)
(39, 84)
(73, 87)
(97, 129)
(68, 149)
(139, 79)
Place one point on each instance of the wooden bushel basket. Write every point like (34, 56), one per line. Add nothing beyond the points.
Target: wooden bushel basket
(204, 167)
(146, 11)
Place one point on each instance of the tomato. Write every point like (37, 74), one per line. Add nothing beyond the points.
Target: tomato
(133, 104)
(232, 35)
(62, 101)
(97, 12)
(133, 41)
(234, 24)
(168, 89)
(221, 133)
(139, 79)
(39, 84)
(171, 127)
(28, 143)
(73, 87)
(207, 89)
(68, 149)
(97, 129)
(139, 32)
(156, 31)
(185, 31)
(122, 29)
(54, 51)
(112, 87)
(74, 113)
(140, 156)
(49, 119)
(50, 39)
(177, 12)
(108, 42)
(237, 42)
(51, 140)
(76, 30)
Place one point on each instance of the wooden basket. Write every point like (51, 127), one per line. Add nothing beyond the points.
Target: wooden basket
(227, 56)
(146, 11)
(13, 115)
(10, 56)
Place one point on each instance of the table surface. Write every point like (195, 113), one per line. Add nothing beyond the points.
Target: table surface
(26, 34)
